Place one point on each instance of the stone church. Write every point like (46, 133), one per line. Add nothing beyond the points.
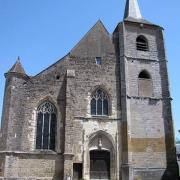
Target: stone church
(103, 111)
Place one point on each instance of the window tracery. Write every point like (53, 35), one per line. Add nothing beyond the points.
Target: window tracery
(46, 126)
(99, 103)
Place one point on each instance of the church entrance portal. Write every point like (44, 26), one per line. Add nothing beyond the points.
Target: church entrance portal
(99, 165)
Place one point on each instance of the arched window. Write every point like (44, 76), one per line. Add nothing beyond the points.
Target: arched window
(144, 75)
(142, 43)
(46, 126)
(145, 84)
(99, 103)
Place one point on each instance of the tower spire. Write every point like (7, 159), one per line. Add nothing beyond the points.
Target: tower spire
(17, 67)
(132, 10)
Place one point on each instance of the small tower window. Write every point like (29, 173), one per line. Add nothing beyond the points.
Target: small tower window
(145, 84)
(57, 77)
(142, 43)
(99, 103)
(98, 60)
(46, 126)
(144, 75)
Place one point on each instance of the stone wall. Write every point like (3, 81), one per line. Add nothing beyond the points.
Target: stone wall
(145, 114)
(13, 114)
(146, 127)
(88, 76)
(138, 130)
(48, 85)
(2, 161)
(33, 166)
(68, 84)
(22, 97)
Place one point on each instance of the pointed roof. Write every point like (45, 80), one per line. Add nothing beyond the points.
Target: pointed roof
(132, 10)
(133, 14)
(17, 67)
(96, 43)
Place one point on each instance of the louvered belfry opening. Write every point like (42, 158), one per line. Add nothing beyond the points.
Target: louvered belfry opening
(142, 43)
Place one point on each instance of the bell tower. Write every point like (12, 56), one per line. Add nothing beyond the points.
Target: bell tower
(146, 125)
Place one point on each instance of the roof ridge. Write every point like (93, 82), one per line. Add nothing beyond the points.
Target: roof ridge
(86, 34)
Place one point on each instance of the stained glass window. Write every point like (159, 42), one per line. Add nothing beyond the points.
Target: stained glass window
(99, 103)
(46, 126)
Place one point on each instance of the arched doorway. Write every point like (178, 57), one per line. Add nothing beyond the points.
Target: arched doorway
(99, 164)
(100, 157)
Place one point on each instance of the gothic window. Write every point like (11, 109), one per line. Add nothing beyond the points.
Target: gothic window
(142, 43)
(99, 103)
(145, 84)
(46, 126)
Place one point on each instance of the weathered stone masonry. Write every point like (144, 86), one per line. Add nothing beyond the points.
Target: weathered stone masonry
(137, 132)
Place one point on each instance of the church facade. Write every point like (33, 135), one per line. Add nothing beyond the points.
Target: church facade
(101, 112)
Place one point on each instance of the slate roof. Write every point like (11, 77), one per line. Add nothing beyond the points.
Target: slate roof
(132, 10)
(96, 43)
(131, 19)
(17, 68)
(132, 13)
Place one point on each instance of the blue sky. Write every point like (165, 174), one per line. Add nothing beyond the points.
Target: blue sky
(42, 31)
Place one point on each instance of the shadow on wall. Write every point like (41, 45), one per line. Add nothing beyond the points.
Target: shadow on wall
(58, 169)
(171, 173)
(0, 171)
(61, 100)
